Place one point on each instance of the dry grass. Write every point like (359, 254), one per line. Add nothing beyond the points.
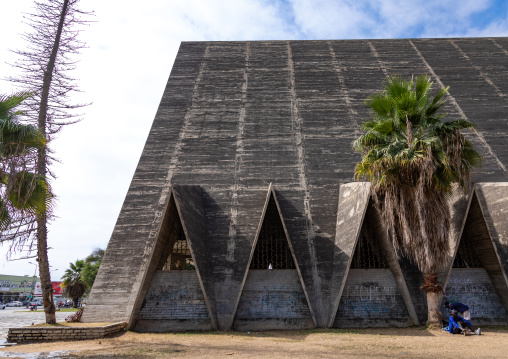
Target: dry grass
(357, 343)
(63, 310)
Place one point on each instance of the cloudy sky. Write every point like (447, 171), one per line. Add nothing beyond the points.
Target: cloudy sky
(131, 48)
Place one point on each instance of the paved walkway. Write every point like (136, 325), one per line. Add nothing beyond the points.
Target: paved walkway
(19, 317)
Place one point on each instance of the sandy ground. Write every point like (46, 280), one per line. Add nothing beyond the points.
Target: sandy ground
(363, 343)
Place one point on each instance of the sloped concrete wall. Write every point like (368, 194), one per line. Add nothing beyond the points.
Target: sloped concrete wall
(237, 116)
(139, 219)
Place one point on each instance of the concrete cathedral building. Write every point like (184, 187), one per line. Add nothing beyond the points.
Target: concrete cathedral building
(243, 213)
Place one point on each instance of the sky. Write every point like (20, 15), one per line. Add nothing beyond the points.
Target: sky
(123, 72)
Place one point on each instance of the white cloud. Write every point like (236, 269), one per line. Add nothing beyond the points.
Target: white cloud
(324, 19)
(345, 19)
(493, 29)
(230, 20)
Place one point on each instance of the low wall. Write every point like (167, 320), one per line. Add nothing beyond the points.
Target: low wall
(174, 302)
(272, 299)
(473, 287)
(35, 334)
(371, 298)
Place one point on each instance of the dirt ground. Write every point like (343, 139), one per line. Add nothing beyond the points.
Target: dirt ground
(362, 343)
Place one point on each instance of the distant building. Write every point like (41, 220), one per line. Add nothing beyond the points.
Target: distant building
(13, 287)
(243, 212)
(21, 288)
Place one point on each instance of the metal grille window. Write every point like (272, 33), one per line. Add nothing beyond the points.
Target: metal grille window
(466, 256)
(367, 253)
(180, 257)
(272, 249)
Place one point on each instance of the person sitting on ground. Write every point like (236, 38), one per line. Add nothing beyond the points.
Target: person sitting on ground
(458, 325)
(461, 308)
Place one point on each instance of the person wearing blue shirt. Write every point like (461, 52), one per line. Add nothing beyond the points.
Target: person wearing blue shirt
(461, 308)
(458, 325)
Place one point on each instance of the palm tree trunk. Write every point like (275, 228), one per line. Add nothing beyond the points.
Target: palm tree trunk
(434, 308)
(434, 296)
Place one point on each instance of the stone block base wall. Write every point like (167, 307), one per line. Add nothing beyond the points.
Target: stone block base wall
(371, 298)
(273, 299)
(174, 302)
(36, 334)
(474, 287)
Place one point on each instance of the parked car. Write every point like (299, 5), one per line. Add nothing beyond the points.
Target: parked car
(2, 305)
(14, 304)
(25, 303)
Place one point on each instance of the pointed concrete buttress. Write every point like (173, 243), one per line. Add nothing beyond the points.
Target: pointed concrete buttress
(353, 201)
(245, 218)
(478, 274)
(177, 293)
(273, 292)
(374, 292)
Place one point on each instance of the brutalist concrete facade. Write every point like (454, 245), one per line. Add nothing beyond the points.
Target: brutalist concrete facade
(244, 123)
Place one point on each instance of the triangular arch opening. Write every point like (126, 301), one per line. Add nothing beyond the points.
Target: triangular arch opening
(174, 299)
(466, 256)
(273, 296)
(372, 296)
(176, 254)
(272, 250)
(476, 277)
(367, 253)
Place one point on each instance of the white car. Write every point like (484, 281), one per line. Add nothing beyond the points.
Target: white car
(2, 305)
(14, 304)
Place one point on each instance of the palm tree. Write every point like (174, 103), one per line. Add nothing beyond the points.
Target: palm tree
(91, 267)
(73, 284)
(23, 193)
(414, 161)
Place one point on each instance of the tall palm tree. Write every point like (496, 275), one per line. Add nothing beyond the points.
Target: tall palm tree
(73, 284)
(23, 193)
(414, 161)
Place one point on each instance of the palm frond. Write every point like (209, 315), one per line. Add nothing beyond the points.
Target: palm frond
(8, 103)
(414, 161)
